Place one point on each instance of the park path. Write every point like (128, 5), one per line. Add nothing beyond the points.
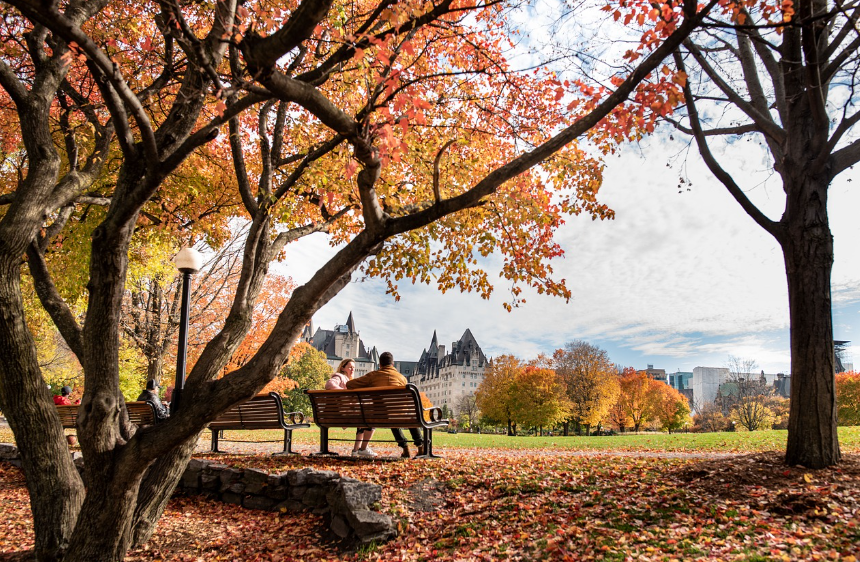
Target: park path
(392, 452)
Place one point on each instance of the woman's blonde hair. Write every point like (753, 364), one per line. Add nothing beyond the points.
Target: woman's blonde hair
(343, 364)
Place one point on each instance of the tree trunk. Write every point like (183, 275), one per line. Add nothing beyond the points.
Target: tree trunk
(155, 491)
(808, 253)
(56, 490)
(566, 424)
(103, 530)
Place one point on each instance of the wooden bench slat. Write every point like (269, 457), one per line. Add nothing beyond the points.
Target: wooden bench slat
(264, 411)
(387, 407)
(139, 413)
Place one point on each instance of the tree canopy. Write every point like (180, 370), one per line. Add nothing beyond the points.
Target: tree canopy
(399, 128)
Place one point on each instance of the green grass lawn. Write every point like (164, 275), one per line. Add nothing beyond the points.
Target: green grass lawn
(770, 440)
(726, 442)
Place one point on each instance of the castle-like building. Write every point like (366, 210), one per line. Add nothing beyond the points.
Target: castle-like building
(444, 377)
(341, 343)
(447, 377)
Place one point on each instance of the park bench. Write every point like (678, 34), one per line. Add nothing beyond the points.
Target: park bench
(380, 407)
(139, 413)
(264, 411)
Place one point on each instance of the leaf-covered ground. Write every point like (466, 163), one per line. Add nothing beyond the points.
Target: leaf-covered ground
(527, 505)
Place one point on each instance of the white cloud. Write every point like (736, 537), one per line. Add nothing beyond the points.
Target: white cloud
(683, 279)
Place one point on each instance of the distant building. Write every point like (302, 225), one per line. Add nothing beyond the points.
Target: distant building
(706, 383)
(656, 374)
(843, 358)
(679, 380)
(447, 377)
(341, 343)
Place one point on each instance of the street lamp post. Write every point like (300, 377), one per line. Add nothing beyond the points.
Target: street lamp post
(188, 261)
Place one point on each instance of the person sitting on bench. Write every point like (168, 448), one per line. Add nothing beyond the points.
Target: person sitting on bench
(151, 395)
(387, 375)
(338, 381)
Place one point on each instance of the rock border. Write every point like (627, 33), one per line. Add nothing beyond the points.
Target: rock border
(347, 503)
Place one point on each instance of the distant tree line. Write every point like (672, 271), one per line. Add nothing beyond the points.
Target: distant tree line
(578, 389)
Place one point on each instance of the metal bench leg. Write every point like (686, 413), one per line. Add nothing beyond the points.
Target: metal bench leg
(214, 448)
(324, 452)
(428, 445)
(288, 444)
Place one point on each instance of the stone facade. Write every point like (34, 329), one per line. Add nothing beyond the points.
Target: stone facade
(347, 503)
(447, 377)
(344, 342)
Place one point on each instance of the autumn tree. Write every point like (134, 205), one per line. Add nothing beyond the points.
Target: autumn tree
(397, 128)
(709, 417)
(496, 397)
(848, 397)
(781, 76)
(150, 317)
(637, 397)
(590, 383)
(467, 410)
(617, 415)
(671, 408)
(308, 370)
(539, 397)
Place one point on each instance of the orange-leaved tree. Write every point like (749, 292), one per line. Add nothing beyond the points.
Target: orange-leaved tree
(848, 397)
(496, 397)
(590, 382)
(399, 128)
(540, 397)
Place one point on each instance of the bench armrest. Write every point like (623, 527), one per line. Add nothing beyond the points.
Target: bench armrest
(434, 414)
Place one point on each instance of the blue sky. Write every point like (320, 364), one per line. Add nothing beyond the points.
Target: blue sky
(677, 280)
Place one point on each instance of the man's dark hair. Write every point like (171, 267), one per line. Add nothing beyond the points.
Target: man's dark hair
(151, 384)
(66, 390)
(386, 359)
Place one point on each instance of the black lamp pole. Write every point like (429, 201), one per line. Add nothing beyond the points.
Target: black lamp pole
(183, 341)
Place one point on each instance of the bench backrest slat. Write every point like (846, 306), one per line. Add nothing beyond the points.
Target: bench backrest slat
(373, 407)
(263, 411)
(139, 413)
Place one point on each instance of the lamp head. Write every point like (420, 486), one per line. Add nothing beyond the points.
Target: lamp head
(188, 260)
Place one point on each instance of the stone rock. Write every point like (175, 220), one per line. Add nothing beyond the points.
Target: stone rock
(340, 527)
(191, 479)
(199, 464)
(353, 496)
(210, 480)
(322, 477)
(259, 502)
(278, 493)
(8, 452)
(256, 481)
(290, 505)
(230, 497)
(371, 525)
(314, 496)
(298, 477)
(230, 476)
(298, 492)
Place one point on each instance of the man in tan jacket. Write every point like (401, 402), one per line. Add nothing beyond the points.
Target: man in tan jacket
(387, 375)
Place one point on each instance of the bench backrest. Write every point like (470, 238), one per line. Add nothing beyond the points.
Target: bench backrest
(370, 407)
(139, 413)
(264, 411)
(68, 415)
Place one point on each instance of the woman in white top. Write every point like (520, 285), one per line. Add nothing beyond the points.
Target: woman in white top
(337, 381)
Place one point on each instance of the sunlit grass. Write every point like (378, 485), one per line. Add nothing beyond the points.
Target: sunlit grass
(727, 442)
